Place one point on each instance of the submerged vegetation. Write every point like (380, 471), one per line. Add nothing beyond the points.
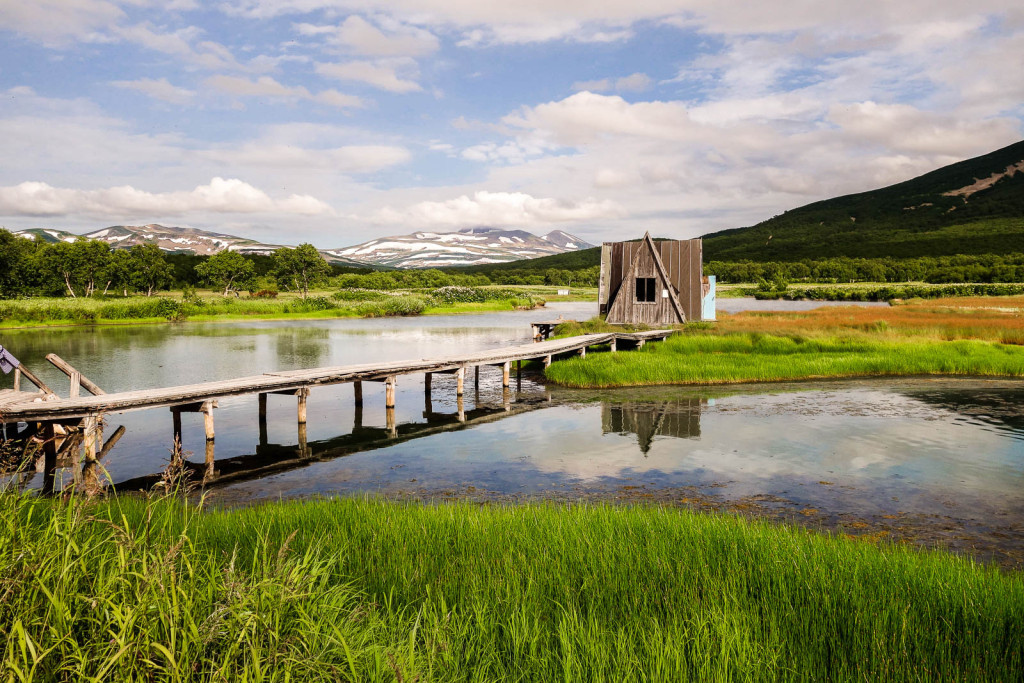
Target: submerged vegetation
(128, 589)
(981, 336)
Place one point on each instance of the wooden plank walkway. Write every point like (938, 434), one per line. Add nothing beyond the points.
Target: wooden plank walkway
(28, 407)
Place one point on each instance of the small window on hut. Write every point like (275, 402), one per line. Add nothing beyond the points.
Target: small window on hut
(645, 289)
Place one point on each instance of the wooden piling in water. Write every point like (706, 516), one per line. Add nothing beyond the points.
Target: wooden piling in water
(208, 471)
(391, 422)
(357, 387)
(207, 411)
(460, 375)
(389, 391)
(505, 369)
(302, 394)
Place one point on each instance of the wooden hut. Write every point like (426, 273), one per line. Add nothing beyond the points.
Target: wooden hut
(655, 283)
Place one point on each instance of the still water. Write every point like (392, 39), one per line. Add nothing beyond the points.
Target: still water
(934, 461)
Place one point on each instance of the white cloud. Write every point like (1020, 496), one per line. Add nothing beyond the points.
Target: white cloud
(265, 86)
(351, 159)
(183, 44)
(498, 209)
(381, 74)
(903, 128)
(633, 83)
(56, 22)
(356, 35)
(542, 20)
(219, 196)
(158, 89)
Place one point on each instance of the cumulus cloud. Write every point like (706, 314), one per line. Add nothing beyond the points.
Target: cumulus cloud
(383, 74)
(159, 89)
(267, 87)
(219, 196)
(498, 209)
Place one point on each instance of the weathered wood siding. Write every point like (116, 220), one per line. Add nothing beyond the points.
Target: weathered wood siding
(682, 260)
(626, 309)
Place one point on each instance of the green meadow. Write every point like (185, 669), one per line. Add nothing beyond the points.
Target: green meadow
(132, 589)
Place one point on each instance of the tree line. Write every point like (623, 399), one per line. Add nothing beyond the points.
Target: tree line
(89, 268)
(982, 268)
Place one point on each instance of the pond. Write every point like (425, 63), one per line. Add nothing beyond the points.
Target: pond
(932, 461)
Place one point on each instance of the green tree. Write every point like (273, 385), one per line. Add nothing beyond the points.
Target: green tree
(227, 269)
(119, 271)
(149, 269)
(15, 253)
(302, 267)
(78, 265)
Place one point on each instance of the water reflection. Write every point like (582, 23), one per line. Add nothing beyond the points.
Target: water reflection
(679, 419)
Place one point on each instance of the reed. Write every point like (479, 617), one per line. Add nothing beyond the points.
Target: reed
(128, 589)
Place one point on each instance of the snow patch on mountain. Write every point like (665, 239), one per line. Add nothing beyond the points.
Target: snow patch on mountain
(469, 246)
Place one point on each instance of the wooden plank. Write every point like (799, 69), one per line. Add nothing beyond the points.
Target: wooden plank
(69, 370)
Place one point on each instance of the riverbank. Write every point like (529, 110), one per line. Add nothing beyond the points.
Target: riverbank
(208, 306)
(372, 590)
(979, 336)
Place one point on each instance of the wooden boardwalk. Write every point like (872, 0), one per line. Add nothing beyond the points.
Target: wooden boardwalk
(25, 406)
(66, 426)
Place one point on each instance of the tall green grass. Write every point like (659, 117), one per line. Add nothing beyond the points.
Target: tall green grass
(357, 590)
(754, 357)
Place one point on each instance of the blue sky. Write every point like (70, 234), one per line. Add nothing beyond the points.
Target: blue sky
(334, 121)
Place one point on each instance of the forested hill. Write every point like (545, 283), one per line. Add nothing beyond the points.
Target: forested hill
(971, 207)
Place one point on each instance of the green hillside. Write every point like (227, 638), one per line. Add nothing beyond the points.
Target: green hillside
(572, 260)
(910, 219)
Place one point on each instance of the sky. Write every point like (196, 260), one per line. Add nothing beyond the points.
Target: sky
(336, 121)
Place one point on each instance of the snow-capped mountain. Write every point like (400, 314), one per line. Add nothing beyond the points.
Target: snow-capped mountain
(170, 239)
(469, 246)
(47, 235)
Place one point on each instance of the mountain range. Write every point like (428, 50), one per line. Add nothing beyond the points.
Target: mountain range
(470, 246)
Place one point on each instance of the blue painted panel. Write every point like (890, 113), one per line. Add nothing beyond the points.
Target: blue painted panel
(707, 309)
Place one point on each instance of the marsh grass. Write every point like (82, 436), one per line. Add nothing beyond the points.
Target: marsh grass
(128, 589)
(758, 357)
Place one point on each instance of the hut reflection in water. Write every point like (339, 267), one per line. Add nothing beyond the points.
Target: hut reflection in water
(679, 418)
